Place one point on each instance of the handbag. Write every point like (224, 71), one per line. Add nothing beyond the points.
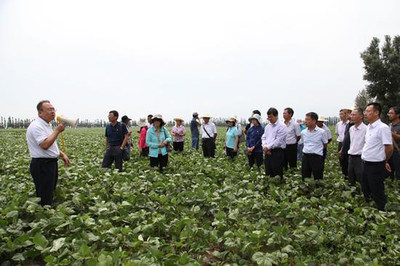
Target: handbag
(169, 145)
(213, 141)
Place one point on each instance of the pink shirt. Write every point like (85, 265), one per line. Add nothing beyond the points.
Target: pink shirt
(142, 138)
(178, 131)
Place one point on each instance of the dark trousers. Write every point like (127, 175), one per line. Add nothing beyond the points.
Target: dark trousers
(395, 164)
(312, 164)
(161, 161)
(290, 156)
(208, 146)
(355, 169)
(230, 152)
(195, 143)
(178, 146)
(255, 157)
(44, 172)
(372, 182)
(274, 163)
(145, 152)
(113, 153)
(343, 160)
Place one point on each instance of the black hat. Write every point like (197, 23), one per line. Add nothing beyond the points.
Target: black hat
(125, 118)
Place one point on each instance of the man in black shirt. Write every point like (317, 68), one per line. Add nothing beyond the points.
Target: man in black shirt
(116, 138)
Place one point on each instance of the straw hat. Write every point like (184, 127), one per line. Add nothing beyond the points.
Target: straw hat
(206, 116)
(257, 117)
(178, 118)
(142, 122)
(322, 119)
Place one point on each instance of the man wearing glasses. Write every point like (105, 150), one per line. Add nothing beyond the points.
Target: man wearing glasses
(44, 152)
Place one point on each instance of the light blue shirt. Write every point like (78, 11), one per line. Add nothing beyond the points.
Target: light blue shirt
(274, 136)
(152, 141)
(314, 140)
(231, 135)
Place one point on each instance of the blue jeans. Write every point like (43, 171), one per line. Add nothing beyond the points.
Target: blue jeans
(195, 143)
(300, 151)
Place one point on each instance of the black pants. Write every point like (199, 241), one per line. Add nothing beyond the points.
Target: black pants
(312, 164)
(372, 182)
(178, 146)
(145, 152)
(395, 164)
(161, 161)
(208, 146)
(44, 172)
(230, 152)
(113, 153)
(274, 163)
(290, 156)
(255, 157)
(343, 160)
(355, 169)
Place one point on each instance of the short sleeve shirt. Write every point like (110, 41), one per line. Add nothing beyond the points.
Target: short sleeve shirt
(396, 129)
(377, 136)
(37, 132)
(115, 134)
(231, 135)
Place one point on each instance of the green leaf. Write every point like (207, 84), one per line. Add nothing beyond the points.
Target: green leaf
(263, 259)
(57, 244)
(40, 241)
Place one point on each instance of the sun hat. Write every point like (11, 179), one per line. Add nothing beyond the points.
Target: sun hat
(257, 117)
(178, 118)
(231, 119)
(206, 116)
(142, 122)
(158, 117)
(322, 119)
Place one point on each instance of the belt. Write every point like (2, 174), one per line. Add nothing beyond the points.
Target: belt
(373, 163)
(355, 155)
(45, 159)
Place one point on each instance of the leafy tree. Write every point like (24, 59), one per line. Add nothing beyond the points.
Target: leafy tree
(363, 99)
(382, 71)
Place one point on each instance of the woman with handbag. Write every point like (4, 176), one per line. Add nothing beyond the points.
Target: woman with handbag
(159, 140)
(178, 132)
(253, 141)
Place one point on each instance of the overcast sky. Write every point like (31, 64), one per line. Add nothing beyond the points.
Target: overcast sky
(176, 57)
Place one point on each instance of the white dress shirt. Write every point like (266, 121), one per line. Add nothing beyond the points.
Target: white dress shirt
(377, 136)
(211, 129)
(37, 132)
(340, 129)
(357, 139)
(314, 140)
(293, 131)
(327, 131)
(274, 136)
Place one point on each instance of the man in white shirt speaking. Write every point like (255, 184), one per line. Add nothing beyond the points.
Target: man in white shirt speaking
(44, 152)
(375, 154)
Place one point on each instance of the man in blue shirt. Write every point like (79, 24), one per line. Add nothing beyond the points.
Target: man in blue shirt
(194, 128)
(116, 138)
(315, 141)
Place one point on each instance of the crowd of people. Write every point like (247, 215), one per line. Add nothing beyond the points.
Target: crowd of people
(367, 153)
